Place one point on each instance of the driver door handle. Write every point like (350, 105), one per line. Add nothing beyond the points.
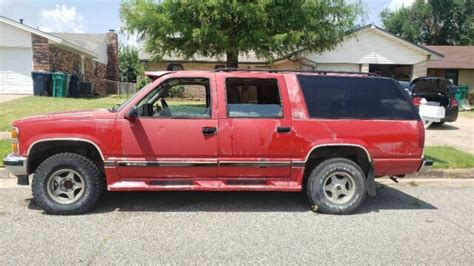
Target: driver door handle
(209, 131)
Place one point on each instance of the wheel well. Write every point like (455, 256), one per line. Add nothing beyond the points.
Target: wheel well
(353, 153)
(43, 150)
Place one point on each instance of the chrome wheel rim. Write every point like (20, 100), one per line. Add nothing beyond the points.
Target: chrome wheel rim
(65, 186)
(339, 187)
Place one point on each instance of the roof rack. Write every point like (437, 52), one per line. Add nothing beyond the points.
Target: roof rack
(323, 72)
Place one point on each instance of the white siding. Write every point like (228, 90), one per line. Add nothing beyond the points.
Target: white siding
(466, 77)
(370, 46)
(419, 70)
(13, 37)
(15, 70)
(338, 67)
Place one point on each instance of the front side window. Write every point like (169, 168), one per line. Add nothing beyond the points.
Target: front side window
(253, 98)
(178, 98)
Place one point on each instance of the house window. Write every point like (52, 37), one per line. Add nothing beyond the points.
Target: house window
(174, 67)
(253, 98)
(452, 74)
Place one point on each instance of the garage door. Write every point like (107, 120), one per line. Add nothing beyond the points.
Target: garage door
(338, 67)
(15, 70)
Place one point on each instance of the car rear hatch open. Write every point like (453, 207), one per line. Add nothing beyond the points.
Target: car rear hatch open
(434, 90)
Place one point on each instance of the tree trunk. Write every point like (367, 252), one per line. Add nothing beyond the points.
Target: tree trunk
(233, 59)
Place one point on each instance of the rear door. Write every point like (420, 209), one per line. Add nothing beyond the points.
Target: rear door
(254, 126)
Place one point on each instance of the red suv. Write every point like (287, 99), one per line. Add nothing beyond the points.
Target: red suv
(328, 134)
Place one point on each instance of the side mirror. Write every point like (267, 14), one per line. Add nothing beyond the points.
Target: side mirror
(131, 115)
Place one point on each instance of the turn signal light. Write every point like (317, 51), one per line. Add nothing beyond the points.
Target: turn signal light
(14, 140)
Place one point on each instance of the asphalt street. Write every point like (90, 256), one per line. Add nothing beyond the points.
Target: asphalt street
(419, 221)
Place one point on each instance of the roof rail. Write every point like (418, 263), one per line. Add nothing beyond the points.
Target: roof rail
(323, 72)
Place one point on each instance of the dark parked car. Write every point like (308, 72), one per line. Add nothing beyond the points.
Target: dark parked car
(437, 91)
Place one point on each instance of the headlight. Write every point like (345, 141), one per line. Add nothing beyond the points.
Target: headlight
(14, 140)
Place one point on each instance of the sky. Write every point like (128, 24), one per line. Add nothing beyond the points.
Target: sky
(98, 16)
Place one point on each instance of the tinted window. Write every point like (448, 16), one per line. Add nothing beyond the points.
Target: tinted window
(355, 97)
(253, 98)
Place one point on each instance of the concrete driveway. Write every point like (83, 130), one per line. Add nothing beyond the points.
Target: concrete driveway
(10, 97)
(459, 134)
(415, 222)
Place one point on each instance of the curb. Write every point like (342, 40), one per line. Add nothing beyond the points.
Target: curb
(446, 173)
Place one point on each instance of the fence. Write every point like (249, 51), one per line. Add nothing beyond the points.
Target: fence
(120, 88)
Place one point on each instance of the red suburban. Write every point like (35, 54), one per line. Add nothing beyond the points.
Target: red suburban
(328, 134)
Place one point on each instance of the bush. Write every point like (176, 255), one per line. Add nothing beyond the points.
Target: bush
(142, 82)
(176, 92)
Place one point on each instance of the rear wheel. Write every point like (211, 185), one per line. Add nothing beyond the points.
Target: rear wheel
(67, 183)
(336, 186)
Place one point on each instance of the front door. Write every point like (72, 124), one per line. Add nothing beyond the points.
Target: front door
(175, 135)
(255, 128)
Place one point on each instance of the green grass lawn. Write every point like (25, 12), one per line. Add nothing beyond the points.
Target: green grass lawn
(5, 148)
(447, 157)
(34, 105)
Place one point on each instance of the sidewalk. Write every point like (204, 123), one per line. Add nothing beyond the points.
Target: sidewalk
(4, 135)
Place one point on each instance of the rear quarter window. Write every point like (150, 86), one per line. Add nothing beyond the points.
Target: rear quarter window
(355, 98)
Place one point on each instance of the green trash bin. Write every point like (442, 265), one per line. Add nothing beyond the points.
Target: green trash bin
(461, 93)
(59, 84)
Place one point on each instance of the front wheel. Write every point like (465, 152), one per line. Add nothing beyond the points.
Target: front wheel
(67, 183)
(336, 186)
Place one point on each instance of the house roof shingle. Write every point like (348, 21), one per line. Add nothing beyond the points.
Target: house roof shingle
(455, 57)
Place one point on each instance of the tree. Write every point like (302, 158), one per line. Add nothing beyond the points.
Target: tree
(270, 28)
(129, 64)
(433, 22)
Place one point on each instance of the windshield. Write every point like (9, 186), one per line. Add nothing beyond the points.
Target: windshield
(119, 107)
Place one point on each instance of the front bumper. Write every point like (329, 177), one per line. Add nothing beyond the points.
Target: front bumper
(16, 164)
(425, 165)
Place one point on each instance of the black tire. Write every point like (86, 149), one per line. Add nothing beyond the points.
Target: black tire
(93, 183)
(320, 200)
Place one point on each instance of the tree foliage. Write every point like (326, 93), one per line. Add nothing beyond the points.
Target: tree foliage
(433, 22)
(270, 28)
(129, 64)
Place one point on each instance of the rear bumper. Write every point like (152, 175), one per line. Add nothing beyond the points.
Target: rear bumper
(451, 114)
(16, 164)
(425, 165)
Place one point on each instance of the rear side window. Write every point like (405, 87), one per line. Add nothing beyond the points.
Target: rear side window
(355, 97)
(253, 98)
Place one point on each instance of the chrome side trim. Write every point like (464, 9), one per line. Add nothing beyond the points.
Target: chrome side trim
(259, 164)
(165, 164)
(339, 144)
(66, 139)
(298, 164)
(184, 163)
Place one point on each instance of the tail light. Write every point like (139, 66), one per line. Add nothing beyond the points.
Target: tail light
(416, 101)
(14, 140)
(453, 103)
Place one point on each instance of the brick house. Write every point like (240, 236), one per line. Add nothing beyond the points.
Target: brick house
(457, 64)
(23, 49)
